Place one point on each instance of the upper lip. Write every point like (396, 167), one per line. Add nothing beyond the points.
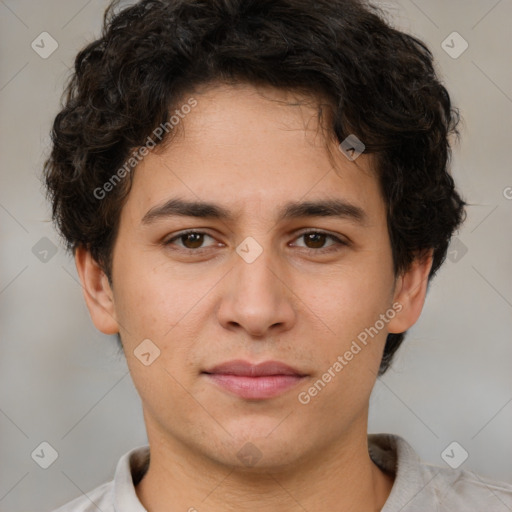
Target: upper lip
(246, 369)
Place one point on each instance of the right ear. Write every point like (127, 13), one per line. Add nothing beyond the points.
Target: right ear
(97, 292)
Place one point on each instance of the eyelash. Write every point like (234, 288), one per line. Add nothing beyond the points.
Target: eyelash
(200, 250)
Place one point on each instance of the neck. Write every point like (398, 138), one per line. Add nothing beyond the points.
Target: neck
(340, 477)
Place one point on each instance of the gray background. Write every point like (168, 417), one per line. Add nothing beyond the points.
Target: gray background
(64, 383)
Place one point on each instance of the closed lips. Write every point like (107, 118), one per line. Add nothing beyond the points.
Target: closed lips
(246, 369)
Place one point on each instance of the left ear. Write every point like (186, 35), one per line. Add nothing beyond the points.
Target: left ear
(410, 292)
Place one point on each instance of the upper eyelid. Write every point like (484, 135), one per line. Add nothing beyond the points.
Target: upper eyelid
(338, 238)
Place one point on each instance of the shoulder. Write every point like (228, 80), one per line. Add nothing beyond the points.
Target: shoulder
(101, 498)
(420, 486)
(456, 489)
(119, 493)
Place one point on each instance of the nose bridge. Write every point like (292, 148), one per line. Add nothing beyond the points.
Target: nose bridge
(257, 297)
(256, 266)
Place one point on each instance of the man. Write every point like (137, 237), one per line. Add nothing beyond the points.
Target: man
(257, 194)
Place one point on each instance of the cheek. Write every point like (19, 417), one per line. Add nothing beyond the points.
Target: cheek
(347, 310)
(145, 301)
(160, 303)
(349, 299)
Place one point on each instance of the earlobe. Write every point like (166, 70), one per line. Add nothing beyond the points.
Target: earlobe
(410, 292)
(97, 292)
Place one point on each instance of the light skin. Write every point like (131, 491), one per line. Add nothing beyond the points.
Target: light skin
(302, 302)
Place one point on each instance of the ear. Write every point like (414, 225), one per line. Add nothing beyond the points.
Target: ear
(410, 292)
(97, 292)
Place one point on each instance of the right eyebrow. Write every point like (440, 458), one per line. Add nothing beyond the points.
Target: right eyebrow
(180, 207)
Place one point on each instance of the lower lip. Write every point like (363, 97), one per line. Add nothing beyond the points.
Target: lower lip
(255, 387)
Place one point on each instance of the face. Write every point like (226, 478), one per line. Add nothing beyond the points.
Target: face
(263, 277)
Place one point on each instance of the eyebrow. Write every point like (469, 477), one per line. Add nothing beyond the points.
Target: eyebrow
(291, 210)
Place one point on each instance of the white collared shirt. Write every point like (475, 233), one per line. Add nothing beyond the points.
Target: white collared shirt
(418, 487)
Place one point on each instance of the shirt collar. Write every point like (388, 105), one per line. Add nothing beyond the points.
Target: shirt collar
(130, 469)
(390, 452)
(395, 455)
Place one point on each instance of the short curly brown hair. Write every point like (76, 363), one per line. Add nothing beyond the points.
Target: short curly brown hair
(380, 83)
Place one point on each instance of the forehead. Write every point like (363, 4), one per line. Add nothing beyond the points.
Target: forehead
(251, 149)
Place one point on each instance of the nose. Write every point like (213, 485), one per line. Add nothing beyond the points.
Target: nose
(257, 297)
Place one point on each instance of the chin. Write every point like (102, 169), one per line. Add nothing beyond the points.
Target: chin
(261, 452)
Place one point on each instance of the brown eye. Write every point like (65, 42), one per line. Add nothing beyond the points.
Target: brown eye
(188, 241)
(192, 240)
(315, 241)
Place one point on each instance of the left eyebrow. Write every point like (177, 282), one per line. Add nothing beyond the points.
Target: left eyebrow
(291, 210)
(325, 208)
